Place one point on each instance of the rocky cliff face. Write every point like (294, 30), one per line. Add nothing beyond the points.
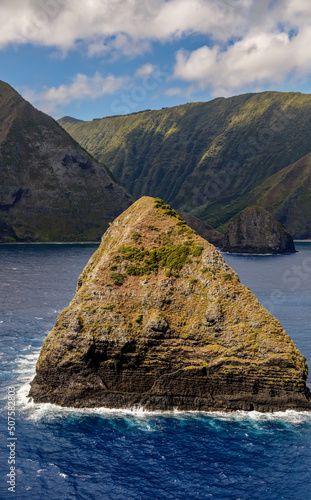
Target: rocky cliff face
(50, 188)
(160, 320)
(255, 230)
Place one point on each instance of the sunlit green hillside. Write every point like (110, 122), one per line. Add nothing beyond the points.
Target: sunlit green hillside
(205, 158)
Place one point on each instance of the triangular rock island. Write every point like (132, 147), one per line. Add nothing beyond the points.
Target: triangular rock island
(159, 320)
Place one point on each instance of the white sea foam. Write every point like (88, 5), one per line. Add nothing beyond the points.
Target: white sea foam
(38, 411)
(27, 367)
(26, 359)
(27, 347)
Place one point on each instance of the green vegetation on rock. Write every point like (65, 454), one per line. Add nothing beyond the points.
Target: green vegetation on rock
(169, 256)
(166, 326)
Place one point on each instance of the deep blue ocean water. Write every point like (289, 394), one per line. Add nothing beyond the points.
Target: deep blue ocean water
(101, 454)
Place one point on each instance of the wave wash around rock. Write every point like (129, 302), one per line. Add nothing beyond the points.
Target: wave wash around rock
(160, 320)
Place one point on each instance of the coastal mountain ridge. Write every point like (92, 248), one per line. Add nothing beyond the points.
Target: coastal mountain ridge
(51, 189)
(160, 320)
(212, 159)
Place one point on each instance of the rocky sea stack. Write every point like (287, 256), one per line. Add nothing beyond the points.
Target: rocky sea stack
(160, 320)
(255, 230)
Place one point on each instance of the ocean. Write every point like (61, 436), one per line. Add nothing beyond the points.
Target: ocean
(59, 453)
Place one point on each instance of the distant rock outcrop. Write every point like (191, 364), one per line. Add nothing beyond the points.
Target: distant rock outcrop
(50, 188)
(160, 320)
(255, 230)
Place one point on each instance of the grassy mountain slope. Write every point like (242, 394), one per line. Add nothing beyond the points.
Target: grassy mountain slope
(287, 195)
(203, 158)
(50, 188)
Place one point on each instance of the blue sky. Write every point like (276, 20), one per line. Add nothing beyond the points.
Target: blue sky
(103, 57)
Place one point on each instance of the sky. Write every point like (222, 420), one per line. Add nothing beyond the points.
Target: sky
(94, 58)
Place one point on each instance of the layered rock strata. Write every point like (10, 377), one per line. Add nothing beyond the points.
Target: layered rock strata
(160, 320)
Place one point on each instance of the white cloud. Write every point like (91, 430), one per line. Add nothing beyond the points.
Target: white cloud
(196, 66)
(98, 48)
(295, 12)
(117, 24)
(82, 88)
(259, 58)
(250, 42)
(145, 70)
